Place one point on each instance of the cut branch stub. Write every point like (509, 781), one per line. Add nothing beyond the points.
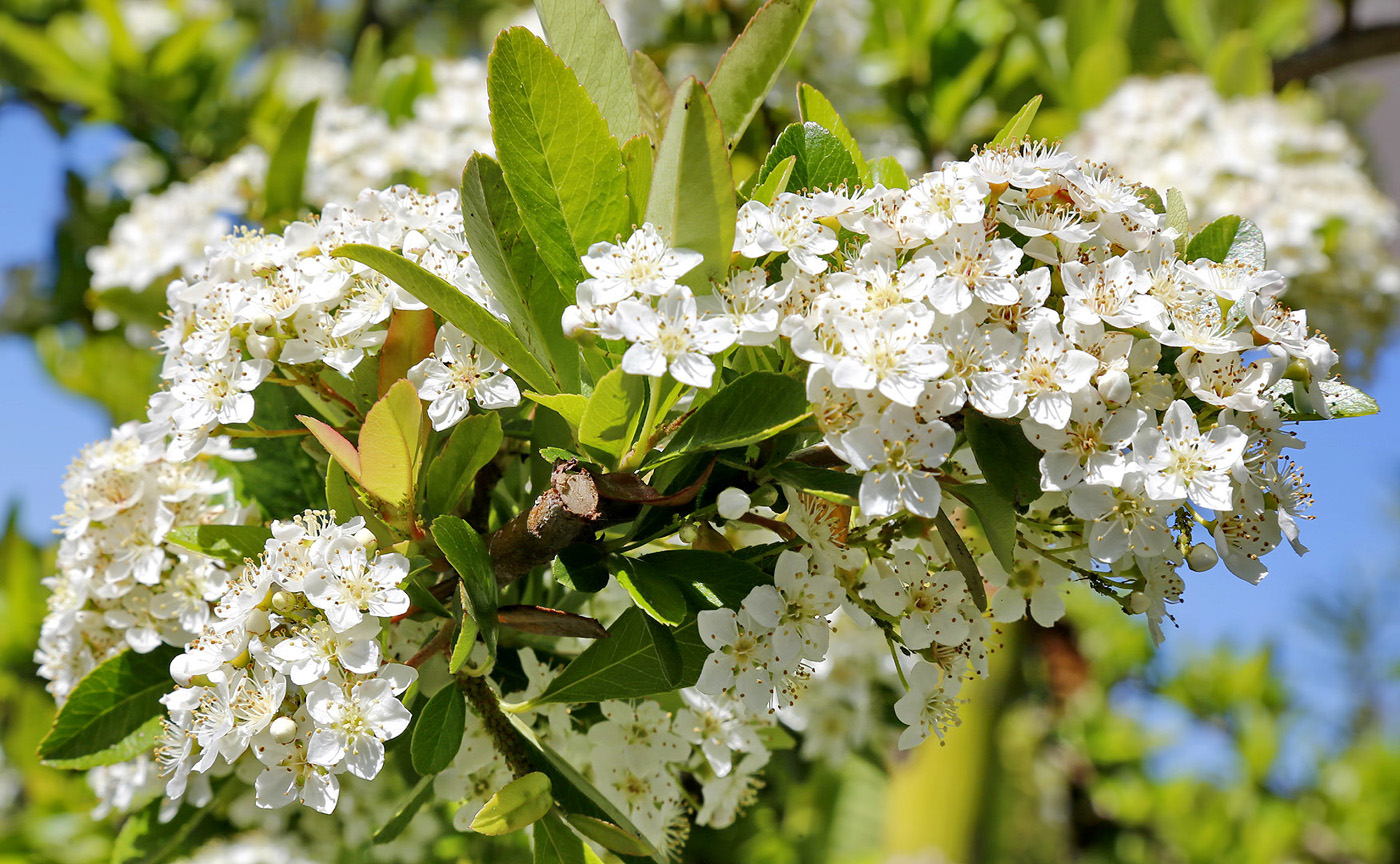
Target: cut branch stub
(567, 508)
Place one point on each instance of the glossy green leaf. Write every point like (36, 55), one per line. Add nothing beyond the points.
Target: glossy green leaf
(467, 632)
(1343, 401)
(728, 578)
(474, 442)
(835, 486)
(570, 406)
(996, 516)
(437, 736)
(586, 39)
(581, 567)
(459, 309)
(420, 794)
(228, 543)
(416, 586)
(887, 172)
(1009, 462)
(962, 559)
(111, 703)
(610, 419)
(626, 665)
(283, 479)
(511, 265)
(1019, 124)
(467, 553)
(609, 836)
(1213, 241)
(667, 651)
(555, 843)
(563, 167)
(751, 408)
(816, 108)
(691, 198)
(749, 69)
(286, 170)
(391, 445)
(822, 161)
(520, 802)
(653, 593)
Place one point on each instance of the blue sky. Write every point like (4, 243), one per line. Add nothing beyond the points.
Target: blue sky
(1352, 464)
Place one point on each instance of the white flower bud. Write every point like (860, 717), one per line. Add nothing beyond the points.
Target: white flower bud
(1136, 603)
(1201, 558)
(732, 503)
(257, 622)
(283, 730)
(284, 601)
(366, 538)
(262, 347)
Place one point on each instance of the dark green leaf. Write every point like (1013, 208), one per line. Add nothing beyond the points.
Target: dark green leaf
(626, 664)
(340, 499)
(283, 478)
(419, 795)
(652, 591)
(556, 843)
(691, 198)
(581, 567)
(563, 167)
(962, 559)
(1150, 197)
(1019, 124)
(459, 309)
(418, 594)
(286, 170)
(824, 483)
(1010, 463)
(822, 160)
(474, 443)
(751, 408)
(467, 554)
(667, 651)
(608, 835)
(727, 577)
(586, 39)
(110, 704)
(996, 516)
(750, 67)
(437, 736)
(1214, 240)
(228, 543)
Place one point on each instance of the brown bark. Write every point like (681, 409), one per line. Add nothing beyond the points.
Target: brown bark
(568, 508)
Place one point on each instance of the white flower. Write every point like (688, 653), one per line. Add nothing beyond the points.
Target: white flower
(790, 226)
(929, 707)
(643, 264)
(740, 653)
(347, 585)
(889, 355)
(352, 724)
(461, 371)
(897, 456)
(672, 338)
(1179, 462)
(1050, 373)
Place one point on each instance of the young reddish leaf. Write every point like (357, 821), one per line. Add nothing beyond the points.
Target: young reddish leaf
(340, 448)
(410, 339)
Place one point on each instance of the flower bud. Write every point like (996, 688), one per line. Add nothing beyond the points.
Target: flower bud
(1136, 603)
(687, 533)
(257, 622)
(262, 347)
(284, 601)
(732, 503)
(1201, 558)
(366, 538)
(283, 729)
(764, 496)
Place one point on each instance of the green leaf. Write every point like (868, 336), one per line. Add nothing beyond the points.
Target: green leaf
(467, 632)
(639, 161)
(816, 108)
(653, 93)
(391, 445)
(1248, 246)
(339, 499)
(521, 802)
(887, 171)
(147, 839)
(1239, 65)
(1214, 240)
(835, 486)
(420, 596)
(612, 414)
(341, 449)
(626, 665)
(581, 567)
(995, 514)
(420, 794)
(283, 478)
(555, 843)
(777, 183)
(751, 408)
(585, 38)
(1152, 199)
(1019, 124)
(728, 578)
(1010, 463)
(562, 166)
(1343, 400)
(1192, 21)
(512, 267)
(749, 69)
(227, 543)
(962, 559)
(286, 170)
(474, 442)
(667, 651)
(459, 309)
(608, 835)
(1098, 71)
(691, 199)
(467, 554)
(1178, 220)
(570, 406)
(822, 160)
(652, 592)
(108, 706)
(437, 736)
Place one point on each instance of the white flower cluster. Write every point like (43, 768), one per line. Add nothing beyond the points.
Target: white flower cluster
(1274, 159)
(252, 848)
(261, 300)
(290, 670)
(353, 147)
(119, 582)
(1026, 287)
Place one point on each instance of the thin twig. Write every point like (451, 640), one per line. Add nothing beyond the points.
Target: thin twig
(1346, 46)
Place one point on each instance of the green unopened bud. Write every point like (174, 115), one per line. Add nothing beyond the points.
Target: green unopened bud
(688, 533)
(522, 802)
(764, 496)
(1201, 558)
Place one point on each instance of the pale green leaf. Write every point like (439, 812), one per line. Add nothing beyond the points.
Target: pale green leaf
(750, 67)
(1213, 241)
(612, 413)
(520, 802)
(391, 445)
(555, 843)
(286, 170)
(585, 38)
(1019, 124)
(570, 406)
(228, 543)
